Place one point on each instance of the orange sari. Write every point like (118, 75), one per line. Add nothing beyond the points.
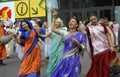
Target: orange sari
(30, 65)
(3, 52)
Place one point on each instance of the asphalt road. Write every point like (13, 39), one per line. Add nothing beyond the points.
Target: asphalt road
(13, 63)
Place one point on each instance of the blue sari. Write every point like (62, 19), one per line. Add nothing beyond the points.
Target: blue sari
(70, 65)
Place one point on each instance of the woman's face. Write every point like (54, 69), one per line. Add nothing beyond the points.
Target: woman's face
(17, 24)
(73, 23)
(93, 19)
(45, 24)
(57, 23)
(25, 26)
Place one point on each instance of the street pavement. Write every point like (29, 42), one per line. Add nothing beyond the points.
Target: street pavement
(13, 63)
(12, 67)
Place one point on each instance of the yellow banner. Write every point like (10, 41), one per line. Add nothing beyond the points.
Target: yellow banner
(29, 8)
(36, 10)
(22, 9)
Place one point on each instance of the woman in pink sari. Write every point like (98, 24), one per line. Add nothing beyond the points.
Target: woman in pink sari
(99, 47)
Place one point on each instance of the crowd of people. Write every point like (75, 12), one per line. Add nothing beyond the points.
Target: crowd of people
(63, 46)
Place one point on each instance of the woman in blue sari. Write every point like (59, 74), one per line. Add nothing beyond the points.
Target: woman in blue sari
(74, 42)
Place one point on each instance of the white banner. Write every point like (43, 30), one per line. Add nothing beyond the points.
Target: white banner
(7, 10)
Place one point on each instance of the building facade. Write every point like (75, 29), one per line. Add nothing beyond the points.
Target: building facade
(84, 8)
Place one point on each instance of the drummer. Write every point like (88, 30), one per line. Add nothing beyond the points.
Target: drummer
(11, 44)
(3, 53)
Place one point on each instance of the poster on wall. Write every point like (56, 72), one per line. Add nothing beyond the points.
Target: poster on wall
(7, 10)
(117, 13)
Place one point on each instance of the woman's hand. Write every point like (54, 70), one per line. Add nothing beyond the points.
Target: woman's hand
(74, 40)
(14, 35)
(55, 14)
(18, 40)
(81, 46)
(112, 49)
(40, 35)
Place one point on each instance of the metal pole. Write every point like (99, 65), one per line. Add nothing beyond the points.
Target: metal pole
(49, 12)
(113, 8)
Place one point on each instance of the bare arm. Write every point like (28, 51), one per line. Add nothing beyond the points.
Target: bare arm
(40, 41)
(45, 36)
(54, 29)
(110, 37)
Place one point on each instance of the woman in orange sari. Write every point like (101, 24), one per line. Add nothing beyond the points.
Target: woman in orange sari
(3, 53)
(30, 66)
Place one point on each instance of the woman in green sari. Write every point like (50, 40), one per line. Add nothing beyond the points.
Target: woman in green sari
(56, 47)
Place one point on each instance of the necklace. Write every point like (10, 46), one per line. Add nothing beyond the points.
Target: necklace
(71, 32)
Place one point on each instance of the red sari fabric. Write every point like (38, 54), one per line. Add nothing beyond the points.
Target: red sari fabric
(31, 63)
(113, 55)
(3, 52)
(100, 66)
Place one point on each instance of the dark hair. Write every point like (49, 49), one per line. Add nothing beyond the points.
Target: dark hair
(76, 20)
(40, 23)
(87, 20)
(92, 14)
(16, 22)
(28, 22)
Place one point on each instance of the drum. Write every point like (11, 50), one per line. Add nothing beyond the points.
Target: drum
(5, 39)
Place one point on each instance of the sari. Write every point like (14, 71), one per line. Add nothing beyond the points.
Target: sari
(114, 60)
(70, 65)
(115, 30)
(56, 49)
(30, 66)
(3, 52)
(98, 48)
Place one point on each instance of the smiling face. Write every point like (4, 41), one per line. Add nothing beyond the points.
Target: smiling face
(17, 24)
(93, 19)
(73, 24)
(45, 25)
(58, 24)
(25, 26)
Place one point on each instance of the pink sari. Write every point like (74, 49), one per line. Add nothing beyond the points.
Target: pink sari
(98, 47)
